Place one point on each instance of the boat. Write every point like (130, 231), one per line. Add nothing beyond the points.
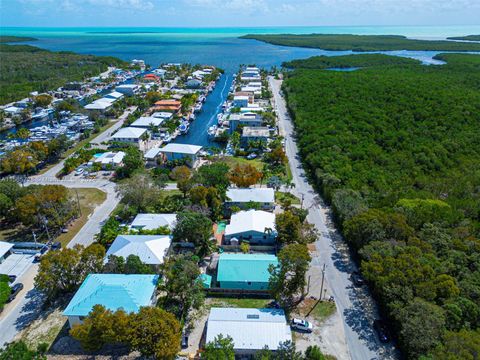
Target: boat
(183, 128)
(211, 132)
(220, 118)
(198, 107)
(192, 117)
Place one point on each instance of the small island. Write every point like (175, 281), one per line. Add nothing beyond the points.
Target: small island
(465, 38)
(362, 43)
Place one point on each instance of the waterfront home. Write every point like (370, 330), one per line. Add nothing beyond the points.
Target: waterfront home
(153, 221)
(151, 249)
(153, 156)
(193, 84)
(128, 89)
(13, 110)
(252, 108)
(162, 115)
(249, 134)
(151, 77)
(171, 105)
(240, 197)
(160, 72)
(109, 159)
(5, 250)
(100, 105)
(114, 292)
(146, 122)
(115, 95)
(254, 226)
(186, 152)
(249, 119)
(131, 135)
(244, 271)
(251, 329)
(241, 101)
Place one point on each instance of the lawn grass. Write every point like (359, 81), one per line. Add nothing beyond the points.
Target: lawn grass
(319, 310)
(281, 196)
(237, 303)
(233, 161)
(89, 199)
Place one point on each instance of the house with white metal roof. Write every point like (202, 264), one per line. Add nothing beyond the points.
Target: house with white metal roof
(146, 122)
(99, 105)
(240, 197)
(250, 119)
(109, 159)
(251, 329)
(131, 135)
(128, 89)
(254, 226)
(115, 95)
(258, 133)
(153, 221)
(151, 249)
(114, 292)
(5, 248)
(175, 151)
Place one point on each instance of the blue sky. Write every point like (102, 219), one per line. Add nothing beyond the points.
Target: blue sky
(227, 13)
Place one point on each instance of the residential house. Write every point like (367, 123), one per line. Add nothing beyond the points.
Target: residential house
(109, 159)
(5, 250)
(128, 89)
(151, 249)
(240, 197)
(244, 271)
(168, 105)
(193, 84)
(254, 134)
(146, 122)
(254, 226)
(175, 151)
(153, 156)
(114, 292)
(131, 135)
(241, 101)
(115, 95)
(249, 119)
(250, 329)
(153, 221)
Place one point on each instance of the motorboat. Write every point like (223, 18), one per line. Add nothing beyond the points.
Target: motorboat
(212, 131)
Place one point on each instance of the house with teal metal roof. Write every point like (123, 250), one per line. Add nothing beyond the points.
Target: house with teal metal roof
(114, 292)
(245, 271)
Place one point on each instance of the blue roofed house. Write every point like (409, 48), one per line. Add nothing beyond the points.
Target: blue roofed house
(114, 292)
(245, 271)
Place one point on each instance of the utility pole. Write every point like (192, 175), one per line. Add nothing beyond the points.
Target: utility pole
(323, 278)
(78, 203)
(303, 197)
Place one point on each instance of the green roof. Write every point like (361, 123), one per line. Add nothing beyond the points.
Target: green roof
(206, 280)
(245, 267)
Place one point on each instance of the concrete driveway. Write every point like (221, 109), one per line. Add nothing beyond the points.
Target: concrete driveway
(16, 264)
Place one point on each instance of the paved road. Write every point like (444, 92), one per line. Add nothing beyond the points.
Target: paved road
(356, 307)
(107, 134)
(21, 311)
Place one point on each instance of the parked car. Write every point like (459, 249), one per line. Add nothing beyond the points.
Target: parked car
(184, 341)
(301, 325)
(57, 245)
(382, 331)
(79, 171)
(358, 279)
(15, 290)
(37, 258)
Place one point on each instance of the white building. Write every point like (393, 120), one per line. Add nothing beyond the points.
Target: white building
(151, 249)
(109, 159)
(241, 196)
(162, 115)
(153, 221)
(181, 151)
(255, 226)
(250, 119)
(251, 329)
(131, 135)
(115, 95)
(128, 89)
(260, 133)
(147, 121)
(101, 105)
(5, 248)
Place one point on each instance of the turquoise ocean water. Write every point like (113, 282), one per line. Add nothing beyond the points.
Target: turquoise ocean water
(214, 46)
